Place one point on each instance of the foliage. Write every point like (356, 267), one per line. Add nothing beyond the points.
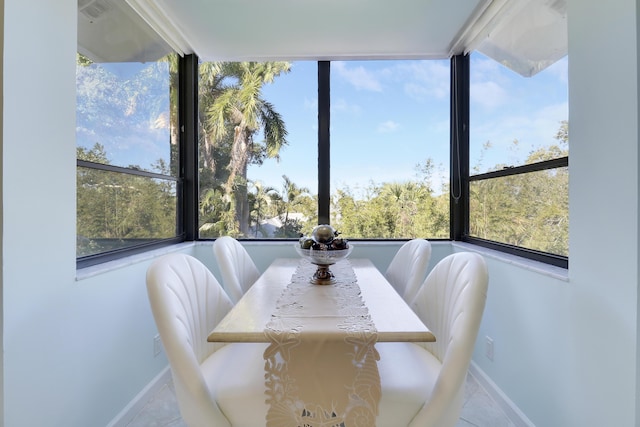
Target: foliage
(116, 209)
(233, 113)
(529, 210)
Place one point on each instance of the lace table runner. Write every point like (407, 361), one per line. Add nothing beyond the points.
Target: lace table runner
(321, 366)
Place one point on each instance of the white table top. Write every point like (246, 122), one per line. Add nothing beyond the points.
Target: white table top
(392, 317)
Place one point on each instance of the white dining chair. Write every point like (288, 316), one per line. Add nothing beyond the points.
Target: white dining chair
(423, 384)
(408, 268)
(215, 384)
(237, 268)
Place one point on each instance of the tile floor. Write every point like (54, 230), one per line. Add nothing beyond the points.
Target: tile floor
(479, 409)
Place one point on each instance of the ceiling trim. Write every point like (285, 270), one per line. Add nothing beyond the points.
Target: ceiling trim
(157, 20)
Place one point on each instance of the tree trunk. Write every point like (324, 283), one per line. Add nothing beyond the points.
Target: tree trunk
(236, 186)
(242, 204)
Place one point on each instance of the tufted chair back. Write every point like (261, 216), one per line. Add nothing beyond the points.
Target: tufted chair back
(451, 303)
(408, 268)
(236, 267)
(187, 302)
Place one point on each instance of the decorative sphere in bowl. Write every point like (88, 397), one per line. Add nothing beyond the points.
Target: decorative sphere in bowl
(323, 257)
(323, 233)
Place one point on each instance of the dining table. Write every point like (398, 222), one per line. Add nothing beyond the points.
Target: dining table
(393, 319)
(320, 356)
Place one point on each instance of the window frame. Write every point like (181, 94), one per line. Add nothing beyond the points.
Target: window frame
(185, 167)
(89, 260)
(461, 177)
(187, 181)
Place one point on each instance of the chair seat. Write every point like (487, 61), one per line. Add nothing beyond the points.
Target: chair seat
(408, 373)
(235, 375)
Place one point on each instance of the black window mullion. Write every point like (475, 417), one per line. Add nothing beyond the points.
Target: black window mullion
(188, 125)
(459, 155)
(324, 158)
(559, 162)
(119, 169)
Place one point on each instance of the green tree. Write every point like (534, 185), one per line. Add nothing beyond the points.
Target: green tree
(530, 210)
(291, 199)
(114, 208)
(261, 200)
(216, 215)
(236, 108)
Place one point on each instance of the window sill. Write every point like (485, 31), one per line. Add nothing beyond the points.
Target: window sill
(531, 265)
(535, 266)
(94, 270)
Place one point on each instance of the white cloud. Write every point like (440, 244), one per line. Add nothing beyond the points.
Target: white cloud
(483, 66)
(341, 105)
(488, 94)
(546, 122)
(560, 70)
(533, 130)
(358, 77)
(388, 126)
(424, 79)
(420, 79)
(311, 104)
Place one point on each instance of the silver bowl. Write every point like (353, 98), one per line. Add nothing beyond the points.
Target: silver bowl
(323, 259)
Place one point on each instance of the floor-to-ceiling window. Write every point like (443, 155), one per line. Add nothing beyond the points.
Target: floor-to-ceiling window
(390, 148)
(258, 149)
(263, 172)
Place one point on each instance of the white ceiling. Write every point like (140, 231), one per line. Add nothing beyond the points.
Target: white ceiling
(519, 33)
(317, 29)
(110, 31)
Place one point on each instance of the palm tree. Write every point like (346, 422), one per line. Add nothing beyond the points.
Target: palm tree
(172, 60)
(215, 215)
(238, 109)
(291, 198)
(261, 198)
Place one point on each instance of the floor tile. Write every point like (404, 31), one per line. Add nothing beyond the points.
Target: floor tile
(161, 411)
(479, 409)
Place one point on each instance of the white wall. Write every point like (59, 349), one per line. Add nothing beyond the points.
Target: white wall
(603, 97)
(75, 352)
(38, 218)
(1, 222)
(526, 317)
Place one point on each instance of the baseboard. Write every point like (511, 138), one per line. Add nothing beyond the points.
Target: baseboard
(508, 407)
(135, 406)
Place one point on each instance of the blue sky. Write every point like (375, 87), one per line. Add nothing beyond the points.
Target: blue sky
(506, 106)
(120, 107)
(389, 116)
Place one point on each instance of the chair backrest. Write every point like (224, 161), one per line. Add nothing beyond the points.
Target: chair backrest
(236, 267)
(187, 302)
(408, 268)
(451, 303)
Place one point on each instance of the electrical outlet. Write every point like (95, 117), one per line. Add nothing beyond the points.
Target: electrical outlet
(157, 346)
(488, 347)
